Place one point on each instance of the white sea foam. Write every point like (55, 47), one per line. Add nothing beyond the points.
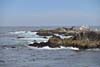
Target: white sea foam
(48, 48)
(28, 34)
(94, 49)
(17, 32)
(24, 32)
(62, 36)
(38, 40)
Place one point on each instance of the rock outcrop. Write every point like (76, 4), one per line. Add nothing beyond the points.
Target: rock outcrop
(81, 39)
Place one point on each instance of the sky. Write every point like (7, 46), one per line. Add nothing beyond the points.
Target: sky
(49, 12)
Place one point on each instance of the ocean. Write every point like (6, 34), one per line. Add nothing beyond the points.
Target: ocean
(15, 52)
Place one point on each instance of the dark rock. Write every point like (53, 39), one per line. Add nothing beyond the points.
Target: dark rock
(20, 37)
(55, 40)
(13, 47)
(34, 44)
(80, 39)
(44, 33)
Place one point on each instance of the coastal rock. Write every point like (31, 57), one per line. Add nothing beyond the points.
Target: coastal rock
(44, 33)
(82, 39)
(55, 40)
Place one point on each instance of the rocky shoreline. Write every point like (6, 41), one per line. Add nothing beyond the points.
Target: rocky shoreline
(82, 38)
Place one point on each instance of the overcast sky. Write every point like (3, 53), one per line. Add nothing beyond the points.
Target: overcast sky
(49, 12)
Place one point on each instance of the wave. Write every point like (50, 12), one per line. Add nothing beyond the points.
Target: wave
(94, 49)
(17, 32)
(31, 40)
(23, 33)
(68, 48)
(48, 48)
(28, 34)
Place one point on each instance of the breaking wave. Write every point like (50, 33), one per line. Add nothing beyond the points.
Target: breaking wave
(48, 48)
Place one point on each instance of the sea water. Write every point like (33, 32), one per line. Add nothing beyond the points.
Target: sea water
(15, 52)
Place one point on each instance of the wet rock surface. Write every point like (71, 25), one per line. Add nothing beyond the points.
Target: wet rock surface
(80, 38)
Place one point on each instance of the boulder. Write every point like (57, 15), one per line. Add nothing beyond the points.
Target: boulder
(56, 40)
(44, 33)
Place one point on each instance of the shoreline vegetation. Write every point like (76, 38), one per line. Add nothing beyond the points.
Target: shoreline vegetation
(82, 37)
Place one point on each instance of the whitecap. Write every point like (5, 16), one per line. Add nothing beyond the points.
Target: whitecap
(28, 34)
(38, 40)
(57, 48)
(94, 49)
(17, 32)
(62, 36)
